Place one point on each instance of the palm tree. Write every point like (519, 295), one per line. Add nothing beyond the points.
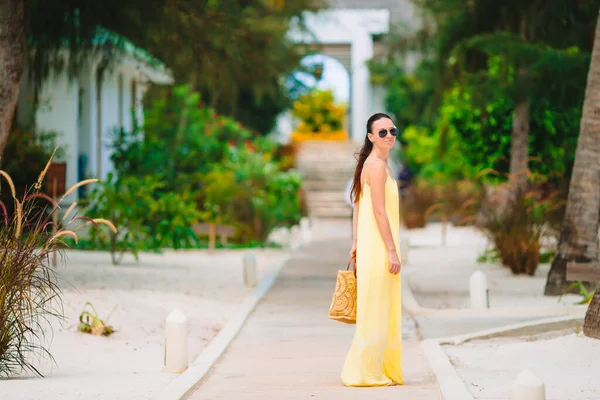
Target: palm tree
(12, 60)
(50, 27)
(579, 236)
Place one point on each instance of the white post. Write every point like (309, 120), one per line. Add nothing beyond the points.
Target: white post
(250, 278)
(361, 51)
(527, 386)
(295, 234)
(175, 350)
(478, 289)
(286, 238)
(305, 230)
(404, 246)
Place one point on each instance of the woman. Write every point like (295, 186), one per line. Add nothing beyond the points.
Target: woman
(375, 358)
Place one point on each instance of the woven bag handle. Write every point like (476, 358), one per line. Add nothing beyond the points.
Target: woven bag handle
(353, 266)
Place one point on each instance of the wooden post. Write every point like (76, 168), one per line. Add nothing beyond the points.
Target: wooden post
(585, 272)
(54, 219)
(444, 225)
(56, 177)
(212, 236)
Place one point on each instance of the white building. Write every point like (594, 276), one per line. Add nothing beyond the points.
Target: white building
(86, 110)
(351, 32)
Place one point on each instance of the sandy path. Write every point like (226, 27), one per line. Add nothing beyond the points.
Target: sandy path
(127, 365)
(566, 364)
(439, 275)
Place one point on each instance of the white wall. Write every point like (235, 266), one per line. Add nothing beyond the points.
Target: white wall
(357, 28)
(77, 128)
(87, 124)
(110, 121)
(96, 145)
(378, 94)
(57, 111)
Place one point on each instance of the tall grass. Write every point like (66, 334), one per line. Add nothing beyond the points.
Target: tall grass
(452, 202)
(29, 295)
(515, 219)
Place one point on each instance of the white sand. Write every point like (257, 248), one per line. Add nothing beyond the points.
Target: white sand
(566, 364)
(207, 288)
(439, 275)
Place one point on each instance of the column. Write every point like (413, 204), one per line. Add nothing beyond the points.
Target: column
(362, 51)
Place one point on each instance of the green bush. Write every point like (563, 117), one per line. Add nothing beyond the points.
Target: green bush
(189, 164)
(147, 218)
(468, 138)
(180, 140)
(436, 156)
(250, 192)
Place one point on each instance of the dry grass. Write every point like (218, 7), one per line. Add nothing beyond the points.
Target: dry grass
(29, 295)
(515, 220)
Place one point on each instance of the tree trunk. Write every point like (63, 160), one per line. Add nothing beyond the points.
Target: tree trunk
(12, 60)
(591, 323)
(519, 147)
(579, 233)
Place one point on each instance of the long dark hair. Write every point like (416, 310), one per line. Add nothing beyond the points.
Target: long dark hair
(362, 155)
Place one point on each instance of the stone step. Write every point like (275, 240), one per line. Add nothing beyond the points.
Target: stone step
(318, 144)
(342, 162)
(326, 168)
(329, 175)
(320, 166)
(324, 185)
(331, 212)
(325, 195)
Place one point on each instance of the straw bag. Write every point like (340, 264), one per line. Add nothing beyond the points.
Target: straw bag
(343, 303)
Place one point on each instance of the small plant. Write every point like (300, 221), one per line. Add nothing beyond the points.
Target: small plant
(29, 294)
(89, 322)
(547, 256)
(587, 295)
(489, 256)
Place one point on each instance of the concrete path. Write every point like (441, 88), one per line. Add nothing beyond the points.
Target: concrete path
(289, 349)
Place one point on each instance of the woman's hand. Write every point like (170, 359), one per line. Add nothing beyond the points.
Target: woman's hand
(394, 262)
(353, 251)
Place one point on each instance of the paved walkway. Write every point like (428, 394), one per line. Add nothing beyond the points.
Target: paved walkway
(289, 349)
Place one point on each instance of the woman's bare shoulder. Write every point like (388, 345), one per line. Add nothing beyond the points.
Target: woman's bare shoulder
(375, 169)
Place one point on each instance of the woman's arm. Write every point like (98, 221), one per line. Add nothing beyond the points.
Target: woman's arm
(355, 221)
(377, 178)
(354, 232)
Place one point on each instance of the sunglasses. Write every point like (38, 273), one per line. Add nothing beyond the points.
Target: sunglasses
(383, 132)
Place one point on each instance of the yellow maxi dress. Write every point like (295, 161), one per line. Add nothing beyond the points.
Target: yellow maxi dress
(375, 357)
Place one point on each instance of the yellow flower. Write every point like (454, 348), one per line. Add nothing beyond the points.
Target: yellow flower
(319, 119)
(324, 128)
(303, 127)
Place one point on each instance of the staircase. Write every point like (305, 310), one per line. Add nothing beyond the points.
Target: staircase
(326, 168)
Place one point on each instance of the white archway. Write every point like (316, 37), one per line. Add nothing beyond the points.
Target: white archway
(349, 31)
(335, 76)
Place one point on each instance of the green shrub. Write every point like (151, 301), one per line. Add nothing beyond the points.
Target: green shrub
(468, 138)
(181, 139)
(148, 218)
(249, 192)
(189, 164)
